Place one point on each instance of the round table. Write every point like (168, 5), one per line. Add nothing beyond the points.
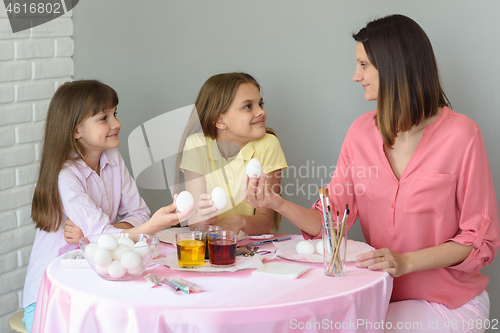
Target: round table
(77, 300)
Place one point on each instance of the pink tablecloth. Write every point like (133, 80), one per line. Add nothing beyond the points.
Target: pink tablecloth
(79, 301)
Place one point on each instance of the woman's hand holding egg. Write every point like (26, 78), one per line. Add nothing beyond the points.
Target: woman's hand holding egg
(256, 189)
(254, 167)
(258, 194)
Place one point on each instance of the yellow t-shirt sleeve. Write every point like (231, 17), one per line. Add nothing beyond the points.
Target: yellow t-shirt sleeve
(194, 156)
(270, 154)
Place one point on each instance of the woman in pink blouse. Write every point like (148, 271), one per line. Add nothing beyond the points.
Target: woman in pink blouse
(416, 174)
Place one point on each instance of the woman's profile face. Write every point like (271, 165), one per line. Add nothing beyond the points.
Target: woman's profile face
(366, 73)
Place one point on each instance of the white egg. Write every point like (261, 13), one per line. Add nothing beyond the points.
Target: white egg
(120, 251)
(219, 197)
(107, 241)
(103, 257)
(254, 167)
(116, 270)
(102, 270)
(319, 247)
(131, 260)
(184, 200)
(305, 247)
(90, 250)
(135, 271)
(126, 241)
(142, 249)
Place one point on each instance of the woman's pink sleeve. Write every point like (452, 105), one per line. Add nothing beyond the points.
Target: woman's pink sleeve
(476, 200)
(339, 190)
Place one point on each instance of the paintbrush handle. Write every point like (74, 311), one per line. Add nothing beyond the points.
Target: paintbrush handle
(335, 257)
(333, 244)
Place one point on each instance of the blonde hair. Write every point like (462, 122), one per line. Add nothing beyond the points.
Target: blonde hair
(71, 104)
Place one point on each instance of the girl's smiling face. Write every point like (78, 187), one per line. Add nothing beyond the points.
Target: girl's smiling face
(99, 132)
(245, 119)
(366, 73)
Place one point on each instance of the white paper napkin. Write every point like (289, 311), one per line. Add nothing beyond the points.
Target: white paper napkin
(279, 269)
(71, 260)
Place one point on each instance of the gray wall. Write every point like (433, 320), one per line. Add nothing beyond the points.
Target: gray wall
(157, 54)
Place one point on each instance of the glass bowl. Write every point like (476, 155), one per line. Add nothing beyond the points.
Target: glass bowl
(119, 256)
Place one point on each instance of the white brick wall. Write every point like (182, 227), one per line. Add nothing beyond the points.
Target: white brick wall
(34, 48)
(33, 90)
(7, 179)
(33, 63)
(6, 51)
(7, 221)
(6, 93)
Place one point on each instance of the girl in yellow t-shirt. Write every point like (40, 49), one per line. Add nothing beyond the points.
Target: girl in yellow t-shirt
(230, 110)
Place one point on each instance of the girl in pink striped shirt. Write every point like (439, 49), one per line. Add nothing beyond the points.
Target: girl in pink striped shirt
(83, 181)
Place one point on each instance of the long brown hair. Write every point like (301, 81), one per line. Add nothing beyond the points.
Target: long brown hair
(214, 98)
(72, 103)
(409, 87)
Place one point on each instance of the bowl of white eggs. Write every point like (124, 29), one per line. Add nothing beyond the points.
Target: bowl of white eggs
(119, 256)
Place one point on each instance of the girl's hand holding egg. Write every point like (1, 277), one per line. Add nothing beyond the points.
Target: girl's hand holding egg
(219, 197)
(184, 200)
(167, 216)
(207, 208)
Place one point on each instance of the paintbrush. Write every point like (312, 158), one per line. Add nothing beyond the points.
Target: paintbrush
(332, 239)
(339, 237)
(327, 201)
(325, 218)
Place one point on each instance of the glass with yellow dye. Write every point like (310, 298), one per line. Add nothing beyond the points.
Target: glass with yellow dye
(190, 249)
